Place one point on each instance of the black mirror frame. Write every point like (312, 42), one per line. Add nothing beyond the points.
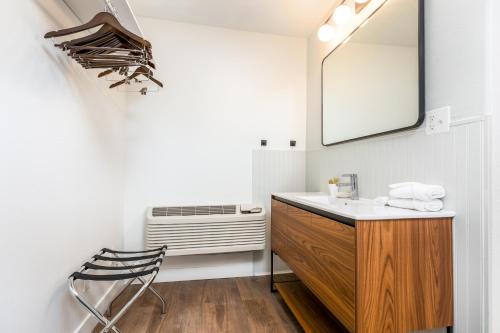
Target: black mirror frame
(421, 79)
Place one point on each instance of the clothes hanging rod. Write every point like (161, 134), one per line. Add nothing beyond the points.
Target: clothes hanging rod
(85, 10)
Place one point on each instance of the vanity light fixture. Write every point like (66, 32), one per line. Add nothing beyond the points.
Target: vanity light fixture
(326, 32)
(341, 16)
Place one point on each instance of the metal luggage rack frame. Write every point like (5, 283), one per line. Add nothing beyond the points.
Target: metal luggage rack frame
(144, 268)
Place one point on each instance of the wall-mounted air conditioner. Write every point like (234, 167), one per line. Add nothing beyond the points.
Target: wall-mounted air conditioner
(205, 229)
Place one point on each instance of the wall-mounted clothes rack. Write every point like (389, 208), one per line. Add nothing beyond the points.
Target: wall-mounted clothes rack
(112, 48)
(121, 9)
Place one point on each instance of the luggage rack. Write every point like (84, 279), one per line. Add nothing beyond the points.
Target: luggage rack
(145, 266)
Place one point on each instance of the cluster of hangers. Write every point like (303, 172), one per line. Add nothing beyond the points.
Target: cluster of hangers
(112, 48)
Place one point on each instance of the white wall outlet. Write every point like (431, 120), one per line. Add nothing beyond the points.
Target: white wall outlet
(438, 120)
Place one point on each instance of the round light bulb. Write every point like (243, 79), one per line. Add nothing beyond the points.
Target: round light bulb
(326, 32)
(343, 14)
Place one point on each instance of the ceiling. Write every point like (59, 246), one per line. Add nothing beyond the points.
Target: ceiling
(298, 18)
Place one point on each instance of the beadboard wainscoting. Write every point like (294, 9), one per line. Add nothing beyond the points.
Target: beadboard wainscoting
(455, 160)
(275, 171)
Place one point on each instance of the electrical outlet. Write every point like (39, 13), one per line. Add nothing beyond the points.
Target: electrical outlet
(438, 120)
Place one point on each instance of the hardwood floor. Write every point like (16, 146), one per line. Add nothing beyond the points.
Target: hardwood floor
(238, 305)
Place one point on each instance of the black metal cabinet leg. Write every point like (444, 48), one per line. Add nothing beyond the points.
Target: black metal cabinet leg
(273, 290)
(449, 329)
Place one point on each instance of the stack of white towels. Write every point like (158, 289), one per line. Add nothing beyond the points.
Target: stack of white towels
(416, 196)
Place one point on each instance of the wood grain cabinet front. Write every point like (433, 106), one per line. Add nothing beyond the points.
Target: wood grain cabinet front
(376, 276)
(278, 227)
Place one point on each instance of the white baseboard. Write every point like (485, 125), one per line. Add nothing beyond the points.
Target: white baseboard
(205, 267)
(194, 274)
(89, 323)
(204, 273)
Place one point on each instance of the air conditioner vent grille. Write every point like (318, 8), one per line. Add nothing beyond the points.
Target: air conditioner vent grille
(194, 210)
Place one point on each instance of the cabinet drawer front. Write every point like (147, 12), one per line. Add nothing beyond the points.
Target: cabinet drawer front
(335, 252)
(278, 206)
(322, 253)
(279, 228)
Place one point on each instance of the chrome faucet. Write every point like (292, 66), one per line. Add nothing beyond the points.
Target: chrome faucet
(353, 184)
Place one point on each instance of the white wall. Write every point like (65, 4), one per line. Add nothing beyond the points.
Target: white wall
(192, 142)
(456, 76)
(62, 148)
(493, 100)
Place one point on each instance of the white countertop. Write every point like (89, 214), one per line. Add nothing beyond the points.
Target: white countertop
(363, 209)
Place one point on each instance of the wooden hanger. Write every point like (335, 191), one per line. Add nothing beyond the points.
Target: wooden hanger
(112, 48)
(114, 59)
(106, 39)
(108, 72)
(141, 70)
(105, 32)
(75, 49)
(107, 56)
(108, 64)
(98, 20)
(104, 42)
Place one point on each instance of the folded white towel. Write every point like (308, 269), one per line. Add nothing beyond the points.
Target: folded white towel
(418, 191)
(403, 184)
(423, 206)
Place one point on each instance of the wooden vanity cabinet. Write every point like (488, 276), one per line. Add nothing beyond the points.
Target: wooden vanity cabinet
(278, 227)
(391, 276)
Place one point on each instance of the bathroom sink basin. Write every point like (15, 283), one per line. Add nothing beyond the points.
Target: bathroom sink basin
(338, 202)
(345, 207)
(361, 210)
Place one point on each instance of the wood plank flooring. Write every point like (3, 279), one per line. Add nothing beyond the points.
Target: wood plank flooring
(239, 305)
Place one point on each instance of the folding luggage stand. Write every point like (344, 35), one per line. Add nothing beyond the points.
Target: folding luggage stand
(145, 265)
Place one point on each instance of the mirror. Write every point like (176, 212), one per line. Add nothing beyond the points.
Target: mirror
(373, 82)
